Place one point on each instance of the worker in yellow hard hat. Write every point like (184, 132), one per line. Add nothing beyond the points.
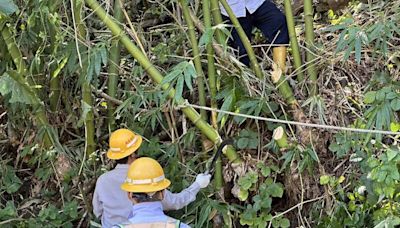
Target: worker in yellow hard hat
(145, 184)
(110, 203)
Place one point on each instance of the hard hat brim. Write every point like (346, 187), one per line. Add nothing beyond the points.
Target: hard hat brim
(145, 188)
(119, 155)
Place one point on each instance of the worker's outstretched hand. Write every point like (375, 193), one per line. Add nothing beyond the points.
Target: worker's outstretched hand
(203, 180)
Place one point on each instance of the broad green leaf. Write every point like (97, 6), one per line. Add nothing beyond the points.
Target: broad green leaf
(324, 179)
(369, 97)
(246, 181)
(285, 223)
(395, 104)
(391, 154)
(11, 182)
(380, 95)
(9, 211)
(7, 7)
(242, 143)
(395, 127)
(18, 93)
(243, 195)
(275, 190)
(265, 171)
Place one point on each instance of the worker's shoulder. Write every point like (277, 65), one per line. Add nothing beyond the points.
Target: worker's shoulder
(107, 176)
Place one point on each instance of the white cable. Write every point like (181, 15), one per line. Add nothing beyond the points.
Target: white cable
(293, 122)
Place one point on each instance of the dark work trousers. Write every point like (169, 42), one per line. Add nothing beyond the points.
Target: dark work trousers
(269, 19)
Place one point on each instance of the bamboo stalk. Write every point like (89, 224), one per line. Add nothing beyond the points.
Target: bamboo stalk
(216, 13)
(283, 85)
(114, 61)
(245, 40)
(210, 63)
(309, 20)
(55, 85)
(218, 177)
(194, 116)
(293, 40)
(90, 145)
(196, 56)
(16, 55)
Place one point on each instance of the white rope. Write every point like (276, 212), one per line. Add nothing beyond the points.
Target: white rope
(292, 122)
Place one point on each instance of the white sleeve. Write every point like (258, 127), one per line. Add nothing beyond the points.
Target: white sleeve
(176, 201)
(96, 203)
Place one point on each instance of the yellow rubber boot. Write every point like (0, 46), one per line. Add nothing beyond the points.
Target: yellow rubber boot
(279, 57)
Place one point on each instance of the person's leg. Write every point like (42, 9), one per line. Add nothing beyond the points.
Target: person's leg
(236, 42)
(272, 22)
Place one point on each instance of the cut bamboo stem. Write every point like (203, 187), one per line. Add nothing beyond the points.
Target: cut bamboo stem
(192, 114)
(280, 137)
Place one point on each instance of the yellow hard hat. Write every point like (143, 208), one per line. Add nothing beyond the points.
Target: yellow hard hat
(123, 143)
(145, 175)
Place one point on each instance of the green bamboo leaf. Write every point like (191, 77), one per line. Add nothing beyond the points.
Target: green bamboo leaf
(226, 106)
(179, 89)
(206, 38)
(188, 81)
(103, 54)
(170, 77)
(18, 93)
(358, 49)
(97, 62)
(60, 66)
(347, 53)
(7, 7)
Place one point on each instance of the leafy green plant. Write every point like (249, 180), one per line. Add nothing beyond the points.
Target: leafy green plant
(384, 104)
(262, 184)
(182, 73)
(247, 139)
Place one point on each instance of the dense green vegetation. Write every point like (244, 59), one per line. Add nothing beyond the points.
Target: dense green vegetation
(70, 74)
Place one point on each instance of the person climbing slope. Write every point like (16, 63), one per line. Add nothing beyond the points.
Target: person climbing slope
(145, 185)
(111, 204)
(264, 15)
